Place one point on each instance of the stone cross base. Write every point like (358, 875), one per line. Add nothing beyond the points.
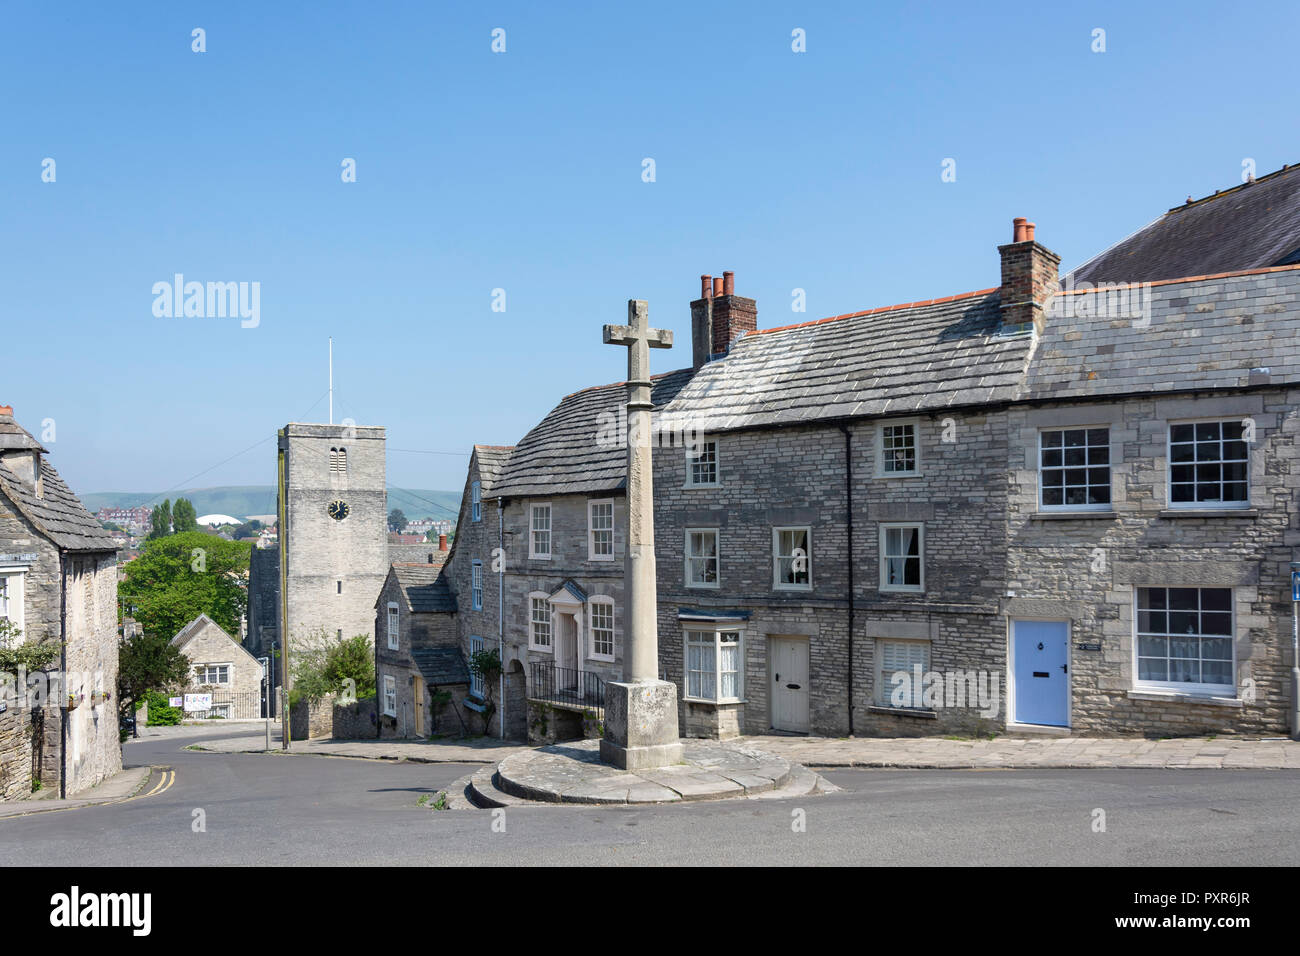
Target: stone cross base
(641, 725)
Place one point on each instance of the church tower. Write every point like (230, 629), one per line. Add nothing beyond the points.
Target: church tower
(333, 530)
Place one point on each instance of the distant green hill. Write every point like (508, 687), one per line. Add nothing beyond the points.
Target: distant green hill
(245, 500)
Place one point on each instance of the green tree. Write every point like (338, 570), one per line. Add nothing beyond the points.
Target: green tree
(148, 663)
(326, 666)
(396, 520)
(181, 576)
(184, 517)
(160, 521)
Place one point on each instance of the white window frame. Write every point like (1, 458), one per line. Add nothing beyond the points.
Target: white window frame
(593, 653)
(476, 501)
(915, 425)
(534, 644)
(702, 635)
(884, 681)
(476, 644)
(693, 457)
(1170, 465)
(885, 527)
(533, 532)
(687, 558)
(476, 585)
(208, 670)
(1110, 465)
(592, 554)
(1183, 687)
(390, 693)
(12, 608)
(777, 583)
(393, 624)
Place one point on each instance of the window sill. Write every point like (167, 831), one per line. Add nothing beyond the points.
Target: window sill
(792, 589)
(1074, 516)
(713, 703)
(1173, 696)
(704, 587)
(700, 487)
(1210, 513)
(541, 650)
(904, 712)
(902, 591)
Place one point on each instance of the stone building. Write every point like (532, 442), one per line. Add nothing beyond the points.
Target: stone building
(537, 566)
(1008, 509)
(219, 665)
(333, 547)
(418, 652)
(58, 583)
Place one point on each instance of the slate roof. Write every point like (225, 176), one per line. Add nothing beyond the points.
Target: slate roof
(918, 357)
(58, 514)
(1250, 226)
(492, 459)
(13, 437)
(426, 586)
(1218, 332)
(563, 454)
(441, 665)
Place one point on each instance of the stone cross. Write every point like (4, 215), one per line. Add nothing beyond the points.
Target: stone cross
(641, 633)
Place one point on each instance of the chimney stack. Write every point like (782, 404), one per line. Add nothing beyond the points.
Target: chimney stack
(719, 317)
(1030, 277)
(7, 410)
(442, 542)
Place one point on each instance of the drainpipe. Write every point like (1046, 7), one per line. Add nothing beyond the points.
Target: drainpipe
(63, 669)
(848, 504)
(501, 612)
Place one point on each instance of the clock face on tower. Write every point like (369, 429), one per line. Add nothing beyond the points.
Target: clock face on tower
(338, 509)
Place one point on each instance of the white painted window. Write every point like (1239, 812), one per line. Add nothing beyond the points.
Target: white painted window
(600, 530)
(476, 501)
(476, 585)
(1209, 465)
(702, 568)
(601, 615)
(1074, 469)
(539, 621)
(702, 464)
(897, 450)
(390, 695)
(11, 598)
(902, 557)
(205, 674)
(1185, 640)
(714, 664)
(392, 626)
(539, 535)
(792, 559)
(476, 644)
(896, 672)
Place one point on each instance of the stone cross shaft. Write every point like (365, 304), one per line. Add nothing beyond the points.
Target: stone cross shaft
(641, 635)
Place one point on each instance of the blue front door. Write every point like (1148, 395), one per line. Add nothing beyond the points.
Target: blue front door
(1042, 672)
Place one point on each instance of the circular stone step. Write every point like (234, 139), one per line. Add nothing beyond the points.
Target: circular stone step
(574, 773)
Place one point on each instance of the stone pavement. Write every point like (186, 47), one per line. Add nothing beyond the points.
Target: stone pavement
(1042, 753)
(573, 773)
(897, 752)
(485, 750)
(120, 786)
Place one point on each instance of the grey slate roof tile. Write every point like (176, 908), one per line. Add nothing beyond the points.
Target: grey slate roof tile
(58, 513)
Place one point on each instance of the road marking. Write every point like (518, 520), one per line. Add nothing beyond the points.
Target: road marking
(167, 777)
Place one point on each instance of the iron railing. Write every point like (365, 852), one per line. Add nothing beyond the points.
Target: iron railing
(566, 686)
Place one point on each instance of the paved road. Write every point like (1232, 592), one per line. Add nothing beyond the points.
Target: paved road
(271, 810)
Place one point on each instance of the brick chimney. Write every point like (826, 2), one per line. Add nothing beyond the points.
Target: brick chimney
(1030, 276)
(719, 317)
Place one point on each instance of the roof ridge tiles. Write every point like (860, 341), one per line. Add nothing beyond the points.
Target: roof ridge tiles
(879, 309)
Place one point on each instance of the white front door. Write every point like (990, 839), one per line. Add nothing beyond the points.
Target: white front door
(789, 673)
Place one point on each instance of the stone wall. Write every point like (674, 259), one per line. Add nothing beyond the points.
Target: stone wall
(355, 720)
(312, 719)
(1087, 569)
(16, 767)
(263, 600)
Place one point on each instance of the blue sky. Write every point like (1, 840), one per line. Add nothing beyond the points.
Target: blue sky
(523, 171)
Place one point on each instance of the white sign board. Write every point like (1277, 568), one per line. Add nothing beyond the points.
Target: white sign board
(174, 701)
(196, 702)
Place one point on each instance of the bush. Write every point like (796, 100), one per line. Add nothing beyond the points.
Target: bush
(327, 666)
(161, 714)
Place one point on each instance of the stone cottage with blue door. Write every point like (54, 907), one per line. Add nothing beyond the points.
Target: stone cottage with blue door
(1050, 506)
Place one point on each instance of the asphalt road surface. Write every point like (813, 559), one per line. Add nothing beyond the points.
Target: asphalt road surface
(261, 809)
